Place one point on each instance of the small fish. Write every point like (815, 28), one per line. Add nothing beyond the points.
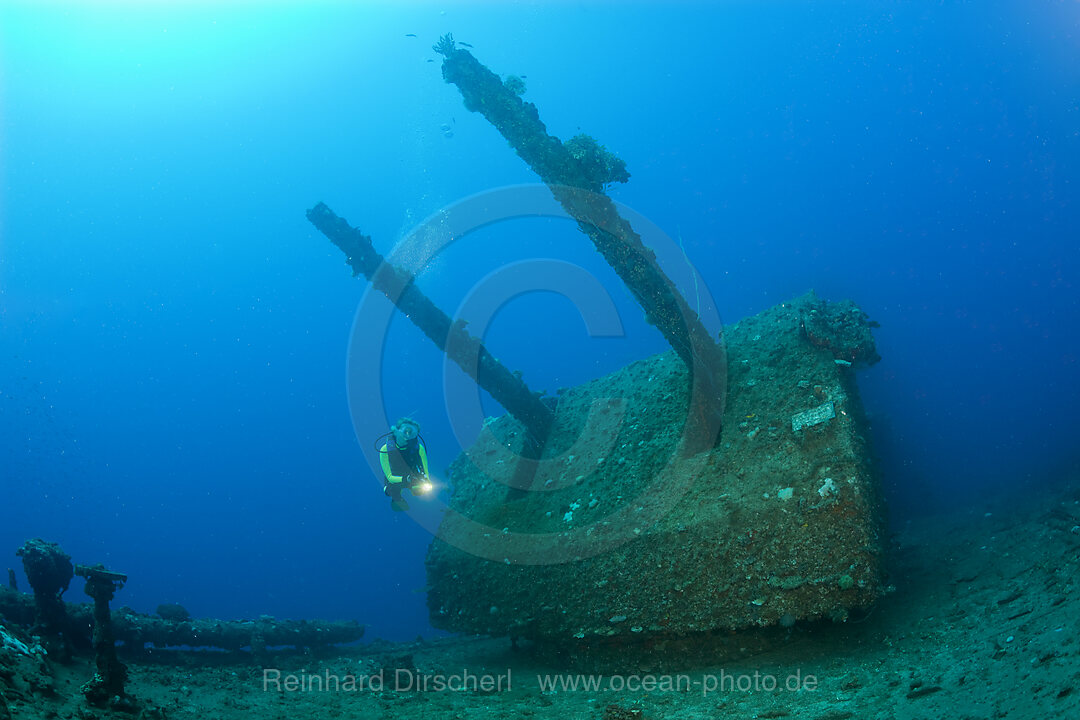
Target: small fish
(410, 34)
(464, 44)
(430, 60)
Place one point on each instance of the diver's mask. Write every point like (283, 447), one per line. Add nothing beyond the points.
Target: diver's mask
(405, 432)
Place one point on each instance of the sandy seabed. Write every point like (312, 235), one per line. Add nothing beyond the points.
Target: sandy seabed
(984, 623)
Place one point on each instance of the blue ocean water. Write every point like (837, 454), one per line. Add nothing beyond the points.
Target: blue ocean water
(174, 355)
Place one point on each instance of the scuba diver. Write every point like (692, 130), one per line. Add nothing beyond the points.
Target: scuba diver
(403, 456)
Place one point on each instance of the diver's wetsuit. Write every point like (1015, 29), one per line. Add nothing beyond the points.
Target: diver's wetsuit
(402, 468)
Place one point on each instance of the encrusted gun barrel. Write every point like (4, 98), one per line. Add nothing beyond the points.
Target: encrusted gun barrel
(468, 352)
(577, 172)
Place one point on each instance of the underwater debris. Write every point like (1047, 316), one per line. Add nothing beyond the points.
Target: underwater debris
(814, 416)
(49, 570)
(107, 685)
(138, 630)
(841, 328)
(173, 611)
(14, 644)
(391, 664)
(618, 712)
(14, 648)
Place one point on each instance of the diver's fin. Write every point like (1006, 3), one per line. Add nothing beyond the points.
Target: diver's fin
(399, 505)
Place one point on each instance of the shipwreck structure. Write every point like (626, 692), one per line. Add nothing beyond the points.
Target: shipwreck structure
(169, 629)
(639, 522)
(107, 685)
(777, 524)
